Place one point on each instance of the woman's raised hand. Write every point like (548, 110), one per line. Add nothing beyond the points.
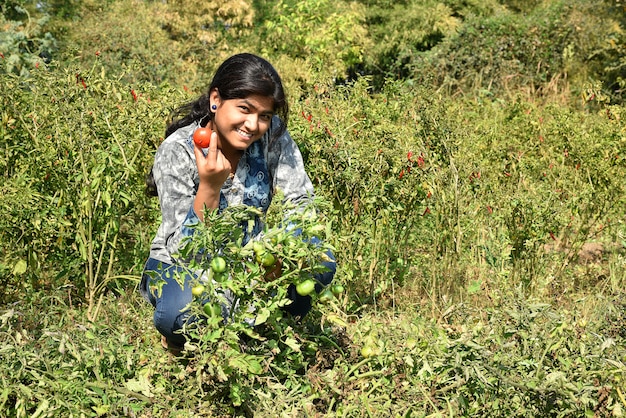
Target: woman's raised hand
(213, 168)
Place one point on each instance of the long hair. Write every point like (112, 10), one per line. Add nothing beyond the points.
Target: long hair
(240, 76)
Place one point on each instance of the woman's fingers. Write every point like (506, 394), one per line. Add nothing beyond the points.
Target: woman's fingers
(215, 154)
(212, 167)
(212, 153)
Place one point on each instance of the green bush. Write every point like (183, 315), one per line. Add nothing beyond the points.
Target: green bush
(402, 30)
(314, 40)
(139, 50)
(601, 43)
(76, 147)
(501, 53)
(550, 49)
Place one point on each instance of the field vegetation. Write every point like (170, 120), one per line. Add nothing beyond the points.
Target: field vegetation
(469, 160)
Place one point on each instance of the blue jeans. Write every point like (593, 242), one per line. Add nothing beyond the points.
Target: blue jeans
(171, 303)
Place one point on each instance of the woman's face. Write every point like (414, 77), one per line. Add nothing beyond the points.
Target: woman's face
(240, 122)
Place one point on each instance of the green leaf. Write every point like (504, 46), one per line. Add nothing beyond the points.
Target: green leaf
(262, 316)
(333, 318)
(292, 343)
(245, 363)
(142, 386)
(254, 366)
(101, 410)
(474, 287)
(19, 268)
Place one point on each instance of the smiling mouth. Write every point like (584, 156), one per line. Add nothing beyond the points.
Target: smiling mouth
(244, 134)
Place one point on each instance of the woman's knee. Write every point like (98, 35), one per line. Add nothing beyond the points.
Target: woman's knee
(170, 322)
(171, 302)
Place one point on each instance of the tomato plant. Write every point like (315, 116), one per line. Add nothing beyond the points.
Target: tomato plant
(250, 282)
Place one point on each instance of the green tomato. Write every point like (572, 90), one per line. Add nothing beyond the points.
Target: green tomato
(212, 309)
(268, 260)
(337, 289)
(305, 287)
(265, 259)
(326, 296)
(258, 247)
(220, 277)
(197, 290)
(218, 264)
(368, 351)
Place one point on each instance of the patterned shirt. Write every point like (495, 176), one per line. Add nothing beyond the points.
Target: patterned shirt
(266, 166)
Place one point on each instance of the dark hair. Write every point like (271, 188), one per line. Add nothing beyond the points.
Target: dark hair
(238, 77)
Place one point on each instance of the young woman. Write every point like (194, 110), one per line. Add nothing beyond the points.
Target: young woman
(250, 155)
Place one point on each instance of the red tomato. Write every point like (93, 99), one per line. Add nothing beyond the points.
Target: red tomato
(202, 137)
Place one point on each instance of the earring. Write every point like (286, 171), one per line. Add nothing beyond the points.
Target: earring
(214, 107)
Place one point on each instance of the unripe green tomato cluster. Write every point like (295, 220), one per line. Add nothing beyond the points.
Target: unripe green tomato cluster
(306, 287)
(330, 292)
(262, 256)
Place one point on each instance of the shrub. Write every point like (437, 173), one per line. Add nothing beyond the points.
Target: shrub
(76, 147)
(402, 30)
(314, 40)
(499, 54)
(139, 50)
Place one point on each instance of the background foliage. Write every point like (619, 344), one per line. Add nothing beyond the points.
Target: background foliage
(471, 157)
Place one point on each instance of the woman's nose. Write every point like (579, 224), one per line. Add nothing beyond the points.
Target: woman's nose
(252, 122)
